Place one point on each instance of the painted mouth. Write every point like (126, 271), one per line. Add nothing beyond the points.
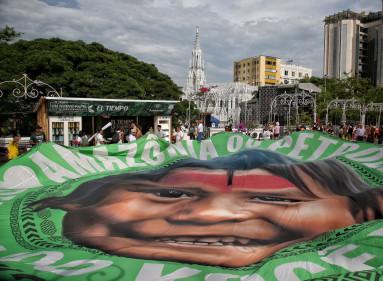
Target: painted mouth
(210, 241)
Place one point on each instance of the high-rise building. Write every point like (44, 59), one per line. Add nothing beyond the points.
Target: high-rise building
(353, 46)
(196, 75)
(258, 71)
(292, 73)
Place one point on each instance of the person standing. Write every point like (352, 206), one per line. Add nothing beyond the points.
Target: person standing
(192, 131)
(99, 139)
(160, 134)
(121, 136)
(360, 133)
(276, 131)
(13, 147)
(200, 131)
(179, 135)
(37, 137)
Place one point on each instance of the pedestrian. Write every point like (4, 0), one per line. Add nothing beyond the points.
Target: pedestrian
(37, 137)
(13, 147)
(200, 130)
(99, 139)
(179, 134)
(84, 138)
(276, 131)
(192, 131)
(160, 134)
(136, 131)
(131, 136)
(360, 133)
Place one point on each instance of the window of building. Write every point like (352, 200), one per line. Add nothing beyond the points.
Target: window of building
(268, 62)
(286, 72)
(274, 63)
(300, 74)
(293, 73)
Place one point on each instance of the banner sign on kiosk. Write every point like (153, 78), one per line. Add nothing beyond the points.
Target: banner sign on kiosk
(305, 207)
(93, 107)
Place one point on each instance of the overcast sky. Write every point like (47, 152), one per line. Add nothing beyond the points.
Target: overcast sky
(162, 31)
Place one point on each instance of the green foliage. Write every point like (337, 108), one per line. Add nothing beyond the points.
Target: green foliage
(85, 70)
(8, 34)
(181, 113)
(359, 88)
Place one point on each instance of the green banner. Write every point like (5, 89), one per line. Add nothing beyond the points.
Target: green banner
(306, 207)
(111, 108)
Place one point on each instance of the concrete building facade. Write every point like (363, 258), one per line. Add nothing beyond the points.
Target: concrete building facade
(291, 73)
(258, 71)
(353, 46)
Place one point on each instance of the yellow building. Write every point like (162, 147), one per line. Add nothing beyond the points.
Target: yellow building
(258, 71)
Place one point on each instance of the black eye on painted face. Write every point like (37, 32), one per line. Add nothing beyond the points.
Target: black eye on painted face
(172, 193)
(272, 199)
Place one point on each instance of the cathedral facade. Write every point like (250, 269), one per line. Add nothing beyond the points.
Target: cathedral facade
(223, 100)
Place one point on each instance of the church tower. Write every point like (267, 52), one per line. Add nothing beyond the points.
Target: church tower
(196, 76)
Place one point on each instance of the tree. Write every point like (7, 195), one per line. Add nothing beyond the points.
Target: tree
(8, 34)
(181, 113)
(358, 88)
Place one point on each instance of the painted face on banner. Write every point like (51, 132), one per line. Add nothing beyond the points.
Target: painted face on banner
(206, 217)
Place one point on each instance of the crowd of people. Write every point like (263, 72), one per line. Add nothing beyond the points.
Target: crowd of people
(350, 132)
(353, 132)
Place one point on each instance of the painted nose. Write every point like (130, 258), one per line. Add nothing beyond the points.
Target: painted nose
(214, 209)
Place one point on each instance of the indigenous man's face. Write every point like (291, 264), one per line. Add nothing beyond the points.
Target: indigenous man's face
(199, 216)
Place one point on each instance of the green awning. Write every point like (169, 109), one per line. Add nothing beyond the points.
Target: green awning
(97, 107)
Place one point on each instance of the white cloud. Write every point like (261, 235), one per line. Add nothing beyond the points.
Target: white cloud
(162, 31)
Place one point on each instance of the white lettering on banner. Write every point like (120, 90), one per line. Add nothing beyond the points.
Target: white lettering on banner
(286, 142)
(46, 263)
(252, 143)
(82, 164)
(325, 143)
(111, 163)
(378, 233)
(234, 143)
(100, 150)
(357, 156)
(131, 148)
(14, 184)
(151, 272)
(190, 147)
(286, 271)
(345, 148)
(220, 277)
(51, 169)
(174, 149)
(207, 150)
(152, 154)
(254, 277)
(300, 145)
(12, 178)
(338, 257)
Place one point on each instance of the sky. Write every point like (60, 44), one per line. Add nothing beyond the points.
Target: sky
(162, 32)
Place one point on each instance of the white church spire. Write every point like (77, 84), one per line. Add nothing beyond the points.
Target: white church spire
(196, 76)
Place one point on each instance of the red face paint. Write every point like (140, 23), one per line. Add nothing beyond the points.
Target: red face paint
(252, 179)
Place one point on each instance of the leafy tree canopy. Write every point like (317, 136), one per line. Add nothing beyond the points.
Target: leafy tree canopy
(8, 34)
(83, 70)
